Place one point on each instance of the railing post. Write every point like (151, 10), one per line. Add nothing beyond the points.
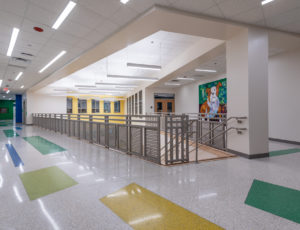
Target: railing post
(187, 139)
(171, 138)
(78, 126)
(106, 139)
(166, 139)
(91, 128)
(69, 126)
(129, 135)
(158, 138)
(61, 124)
(182, 136)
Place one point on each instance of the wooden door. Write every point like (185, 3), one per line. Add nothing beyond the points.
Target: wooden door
(164, 105)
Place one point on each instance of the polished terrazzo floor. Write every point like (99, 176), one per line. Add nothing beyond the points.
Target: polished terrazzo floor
(213, 190)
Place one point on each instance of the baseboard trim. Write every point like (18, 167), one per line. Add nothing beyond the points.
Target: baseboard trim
(252, 156)
(284, 141)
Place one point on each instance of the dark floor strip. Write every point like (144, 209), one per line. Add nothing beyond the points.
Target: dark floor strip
(275, 199)
(284, 152)
(14, 155)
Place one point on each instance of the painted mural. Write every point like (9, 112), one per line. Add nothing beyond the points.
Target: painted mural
(213, 98)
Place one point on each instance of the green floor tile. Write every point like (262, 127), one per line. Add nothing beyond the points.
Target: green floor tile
(278, 200)
(45, 181)
(284, 152)
(10, 133)
(43, 146)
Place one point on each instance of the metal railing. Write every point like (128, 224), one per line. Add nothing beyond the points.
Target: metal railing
(132, 134)
(160, 138)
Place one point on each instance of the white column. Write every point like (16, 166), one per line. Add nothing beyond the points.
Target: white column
(247, 90)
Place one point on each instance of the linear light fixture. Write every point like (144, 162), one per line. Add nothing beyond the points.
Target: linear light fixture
(22, 87)
(206, 70)
(116, 84)
(19, 75)
(133, 77)
(100, 89)
(53, 60)
(85, 86)
(173, 84)
(13, 40)
(1, 82)
(264, 2)
(143, 66)
(124, 1)
(63, 15)
(186, 79)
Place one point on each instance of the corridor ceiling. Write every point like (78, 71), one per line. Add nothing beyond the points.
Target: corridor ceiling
(92, 21)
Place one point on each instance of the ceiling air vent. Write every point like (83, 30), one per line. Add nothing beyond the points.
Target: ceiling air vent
(27, 54)
(19, 62)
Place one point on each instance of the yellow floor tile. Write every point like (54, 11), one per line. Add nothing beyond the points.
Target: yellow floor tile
(143, 209)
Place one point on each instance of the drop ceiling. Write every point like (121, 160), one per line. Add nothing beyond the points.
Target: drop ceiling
(92, 21)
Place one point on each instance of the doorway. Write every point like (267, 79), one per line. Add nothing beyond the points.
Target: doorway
(164, 103)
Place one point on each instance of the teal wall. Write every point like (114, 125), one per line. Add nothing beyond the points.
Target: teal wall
(9, 105)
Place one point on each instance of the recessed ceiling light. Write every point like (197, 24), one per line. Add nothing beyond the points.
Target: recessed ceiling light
(143, 66)
(85, 86)
(133, 77)
(124, 1)
(206, 70)
(264, 2)
(22, 87)
(64, 14)
(52, 61)
(13, 40)
(19, 75)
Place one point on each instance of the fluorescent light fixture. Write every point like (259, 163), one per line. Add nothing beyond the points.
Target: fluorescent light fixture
(19, 75)
(100, 89)
(264, 2)
(22, 87)
(64, 14)
(85, 86)
(7, 92)
(173, 84)
(52, 61)
(133, 77)
(143, 66)
(1, 82)
(13, 40)
(124, 1)
(186, 79)
(206, 70)
(117, 84)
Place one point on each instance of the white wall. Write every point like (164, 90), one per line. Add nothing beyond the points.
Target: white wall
(187, 96)
(284, 96)
(38, 103)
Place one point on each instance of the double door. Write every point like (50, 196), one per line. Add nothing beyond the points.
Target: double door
(164, 105)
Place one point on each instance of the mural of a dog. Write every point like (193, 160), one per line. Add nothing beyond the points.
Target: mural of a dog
(212, 105)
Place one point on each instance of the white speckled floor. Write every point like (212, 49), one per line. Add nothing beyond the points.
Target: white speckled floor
(214, 190)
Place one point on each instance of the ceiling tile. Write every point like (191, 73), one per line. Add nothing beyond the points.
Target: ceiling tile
(65, 37)
(214, 11)
(86, 17)
(194, 5)
(234, 7)
(10, 19)
(56, 6)
(74, 28)
(40, 15)
(17, 7)
(123, 15)
(276, 8)
(141, 6)
(105, 8)
(284, 18)
(251, 16)
(28, 26)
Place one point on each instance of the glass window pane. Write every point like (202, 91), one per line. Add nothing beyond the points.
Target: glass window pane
(106, 106)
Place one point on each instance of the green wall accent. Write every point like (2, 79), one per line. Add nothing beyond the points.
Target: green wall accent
(278, 200)
(9, 105)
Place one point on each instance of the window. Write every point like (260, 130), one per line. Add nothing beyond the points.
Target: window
(69, 105)
(95, 106)
(132, 105)
(141, 102)
(82, 106)
(117, 107)
(136, 104)
(127, 105)
(106, 106)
